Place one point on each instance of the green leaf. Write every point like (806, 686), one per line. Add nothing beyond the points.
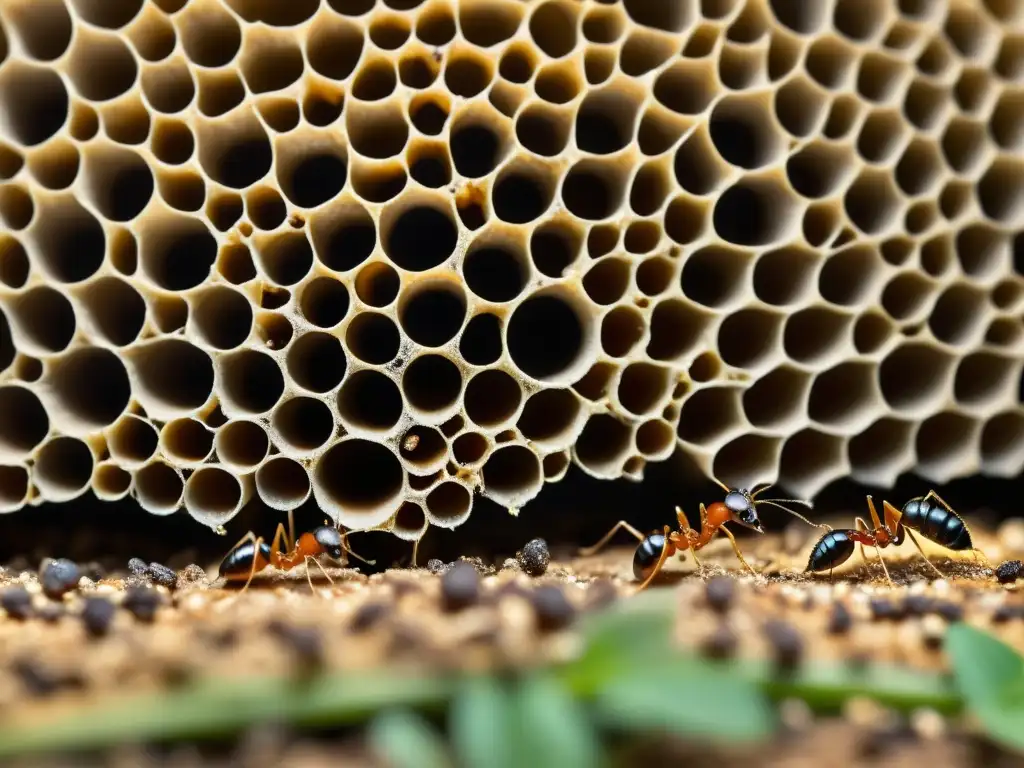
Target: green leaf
(982, 665)
(404, 740)
(483, 727)
(689, 699)
(990, 676)
(218, 708)
(555, 731)
(634, 634)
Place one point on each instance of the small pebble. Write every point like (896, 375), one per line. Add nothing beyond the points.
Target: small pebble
(840, 620)
(436, 566)
(16, 602)
(928, 724)
(98, 615)
(511, 564)
(534, 557)
(51, 613)
(367, 615)
(190, 574)
(600, 594)
(882, 609)
(59, 577)
(720, 591)
(38, 679)
(164, 576)
(720, 644)
(950, 611)
(933, 630)
(1009, 572)
(138, 567)
(918, 605)
(787, 643)
(460, 586)
(305, 642)
(552, 607)
(142, 602)
(1003, 614)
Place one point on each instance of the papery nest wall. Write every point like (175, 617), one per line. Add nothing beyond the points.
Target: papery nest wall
(387, 254)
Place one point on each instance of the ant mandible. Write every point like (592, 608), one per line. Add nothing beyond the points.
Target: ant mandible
(739, 506)
(929, 515)
(252, 555)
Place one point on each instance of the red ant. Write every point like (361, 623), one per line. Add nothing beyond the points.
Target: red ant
(739, 506)
(252, 555)
(936, 522)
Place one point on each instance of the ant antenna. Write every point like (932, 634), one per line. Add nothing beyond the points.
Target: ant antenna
(758, 491)
(347, 548)
(794, 513)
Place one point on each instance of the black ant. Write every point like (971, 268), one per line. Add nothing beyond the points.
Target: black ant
(252, 555)
(936, 522)
(739, 506)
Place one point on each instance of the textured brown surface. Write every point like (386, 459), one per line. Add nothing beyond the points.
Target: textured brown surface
(319, 249)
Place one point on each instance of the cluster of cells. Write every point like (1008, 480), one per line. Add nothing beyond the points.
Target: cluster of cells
(386, 254)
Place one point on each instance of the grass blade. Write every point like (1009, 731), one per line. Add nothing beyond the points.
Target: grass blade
(218, 708)
(404, 740)
(554, 729)
(482, 725)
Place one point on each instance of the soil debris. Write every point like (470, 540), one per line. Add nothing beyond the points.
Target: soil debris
(534, 557)
(59, 577)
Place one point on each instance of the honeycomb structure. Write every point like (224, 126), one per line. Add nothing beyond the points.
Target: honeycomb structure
(389, 253)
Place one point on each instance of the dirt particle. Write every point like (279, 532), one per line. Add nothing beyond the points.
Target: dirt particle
(98, 615)
(305, 643)
(164, 576)
(786, 642)
(142, 603)
(436, 566)
(883, 609)
(1009, 572)
(138, 567)
(917, 605)
(840, 620)
(1005, 613)
(720, 592)
(38, 679)
(17, 603)
(933, 631)
(51, 613)
(460, 586)
(552, 607)
(720, 644)
(368, 615)
(534, 557)
(600, 594)
(950, 611)
(191, 575)
(59, 577)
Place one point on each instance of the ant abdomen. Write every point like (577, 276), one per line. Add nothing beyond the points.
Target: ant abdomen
(239, 562)
(647, 555)
(936, 523)
(832, 550)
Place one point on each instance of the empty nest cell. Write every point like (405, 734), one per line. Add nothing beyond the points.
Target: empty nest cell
(721, 221)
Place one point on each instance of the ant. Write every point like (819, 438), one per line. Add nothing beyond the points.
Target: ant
(929, 515)
(739, 506)
(252, 555)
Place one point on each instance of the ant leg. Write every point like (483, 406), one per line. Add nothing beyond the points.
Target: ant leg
(349, 550)
(943, 502)
(657, 566)
(917, 544)
(275, 554)
(252, 571)
(621, 525)
(309, 579)
(685, 529)
(861, 525)
(882, 561)
(736, 549)
(415, 550)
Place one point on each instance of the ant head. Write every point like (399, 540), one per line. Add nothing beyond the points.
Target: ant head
(740, 504)
(329, 539)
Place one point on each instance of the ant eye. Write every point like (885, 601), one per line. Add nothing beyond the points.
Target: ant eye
(748, 516)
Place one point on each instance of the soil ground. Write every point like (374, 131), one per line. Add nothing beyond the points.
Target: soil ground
(399, 619)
